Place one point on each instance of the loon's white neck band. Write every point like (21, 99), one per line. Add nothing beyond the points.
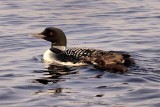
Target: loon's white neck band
(62, 48)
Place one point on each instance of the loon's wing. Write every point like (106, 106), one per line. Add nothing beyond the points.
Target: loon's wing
(102, 59)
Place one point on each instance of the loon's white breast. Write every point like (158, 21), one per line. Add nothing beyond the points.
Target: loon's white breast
(49, 56)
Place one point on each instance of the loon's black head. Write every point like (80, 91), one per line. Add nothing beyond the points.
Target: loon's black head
(54, 35)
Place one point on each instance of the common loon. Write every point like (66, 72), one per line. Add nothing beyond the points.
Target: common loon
(60, 54)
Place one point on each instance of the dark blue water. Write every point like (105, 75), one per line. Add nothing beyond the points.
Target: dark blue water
(121, 25)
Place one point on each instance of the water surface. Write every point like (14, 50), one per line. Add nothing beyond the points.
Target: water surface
(122, 25)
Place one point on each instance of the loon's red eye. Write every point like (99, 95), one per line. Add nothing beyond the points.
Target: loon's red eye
(51, 33)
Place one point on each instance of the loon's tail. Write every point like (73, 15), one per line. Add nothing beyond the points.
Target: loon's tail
(119, 62)
(128, 61)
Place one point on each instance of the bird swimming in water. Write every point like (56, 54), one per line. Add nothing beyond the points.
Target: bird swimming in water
(60, 54)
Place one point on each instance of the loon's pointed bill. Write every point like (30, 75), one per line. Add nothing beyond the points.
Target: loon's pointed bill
(38, 35)
(59, 53)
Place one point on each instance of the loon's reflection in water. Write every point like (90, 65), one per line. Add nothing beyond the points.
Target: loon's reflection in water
(55, 73)
(52, 75)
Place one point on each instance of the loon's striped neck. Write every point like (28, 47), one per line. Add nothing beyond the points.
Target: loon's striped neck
(62, 48)
(57, 49)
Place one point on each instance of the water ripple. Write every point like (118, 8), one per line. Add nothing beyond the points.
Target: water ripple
(131, 26)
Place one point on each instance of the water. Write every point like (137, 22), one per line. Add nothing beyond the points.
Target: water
(122, 25)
